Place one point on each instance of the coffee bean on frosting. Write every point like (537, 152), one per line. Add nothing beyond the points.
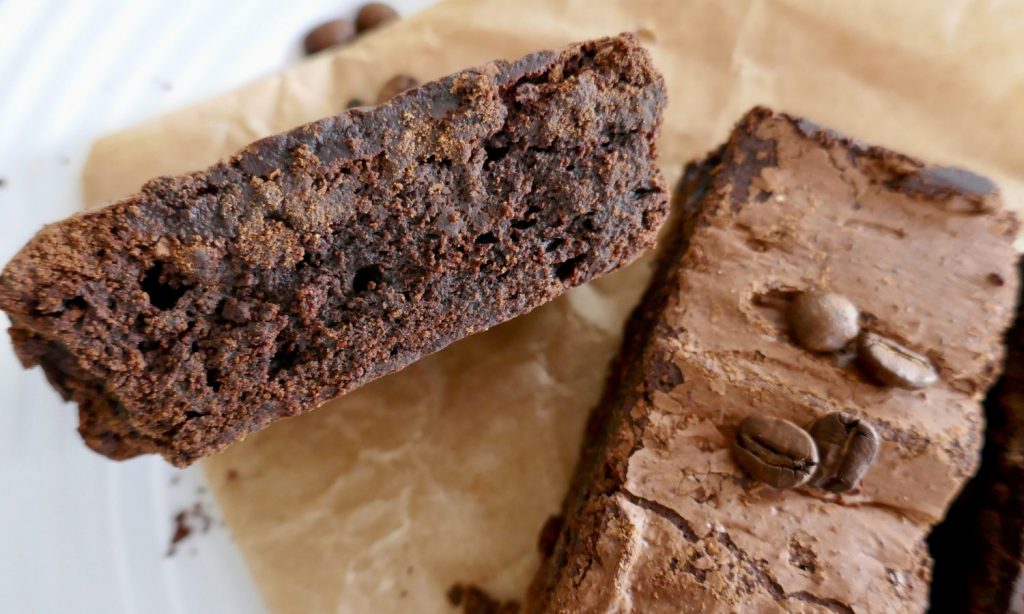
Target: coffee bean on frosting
(329, 34)
(774, 451)
(894, 365)
(823, 321)
(847, 447)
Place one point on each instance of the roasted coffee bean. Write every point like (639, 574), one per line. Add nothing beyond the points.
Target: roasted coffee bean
(395, 86)
(892, 364)
(329, 34)
(847, 446)
(776, 452)
(373, 15)
(823, 321)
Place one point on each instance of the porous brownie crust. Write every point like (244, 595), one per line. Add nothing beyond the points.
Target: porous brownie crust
(209, 305)
(660, 518)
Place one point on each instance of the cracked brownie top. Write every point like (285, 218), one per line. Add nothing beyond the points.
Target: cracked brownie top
(661, 517)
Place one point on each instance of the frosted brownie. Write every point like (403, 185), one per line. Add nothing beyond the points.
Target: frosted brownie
(209, 305)
(660, 517)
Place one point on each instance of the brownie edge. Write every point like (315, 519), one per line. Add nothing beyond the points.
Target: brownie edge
(209, 305)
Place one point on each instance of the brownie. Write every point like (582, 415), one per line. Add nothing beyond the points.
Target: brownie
(979, 548)
(209, 305)
(660, 517)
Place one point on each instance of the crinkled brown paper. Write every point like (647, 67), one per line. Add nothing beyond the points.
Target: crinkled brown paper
(445, 472)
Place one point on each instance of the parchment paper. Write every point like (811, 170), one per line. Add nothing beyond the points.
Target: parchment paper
(445, 472)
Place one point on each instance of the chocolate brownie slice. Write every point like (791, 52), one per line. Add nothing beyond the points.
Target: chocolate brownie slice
(209, 305)
(660, 517)
(979, 548)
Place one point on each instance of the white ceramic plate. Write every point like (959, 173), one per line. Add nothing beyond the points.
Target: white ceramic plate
(80, 533)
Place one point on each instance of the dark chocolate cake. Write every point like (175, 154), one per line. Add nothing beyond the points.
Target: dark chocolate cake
(209, 305)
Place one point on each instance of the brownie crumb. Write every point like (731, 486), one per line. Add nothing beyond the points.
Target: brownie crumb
(474, 600)
(802, 557)
(181, 531)
(187, 522)
(231, 475)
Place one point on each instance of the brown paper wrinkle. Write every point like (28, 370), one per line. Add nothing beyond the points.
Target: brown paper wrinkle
(445, 472)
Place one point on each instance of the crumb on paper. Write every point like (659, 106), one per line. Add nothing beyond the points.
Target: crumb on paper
(474, 600)
(187, 522)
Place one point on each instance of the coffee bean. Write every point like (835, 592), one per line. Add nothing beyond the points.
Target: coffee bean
(892, 364)
(329, 34)
(776, 452)
(823, 321)
(395, 86)
(846, 446)
(373, 15)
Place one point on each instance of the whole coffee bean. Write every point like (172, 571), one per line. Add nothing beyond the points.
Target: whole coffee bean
(395, 86)
(373, 15)
(846, 448)
(329, 34)
(823, 321)
(776, 452)
(892, 364)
